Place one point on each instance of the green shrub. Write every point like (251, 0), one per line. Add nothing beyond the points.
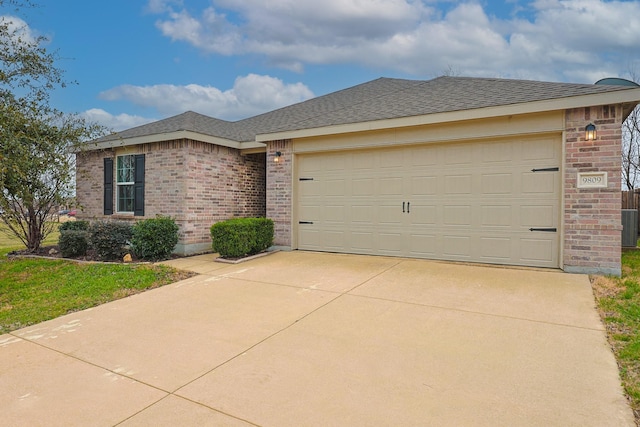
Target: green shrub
(73, 243)
(79, 225)
(155, 238)
(110, 239)
(241, 236)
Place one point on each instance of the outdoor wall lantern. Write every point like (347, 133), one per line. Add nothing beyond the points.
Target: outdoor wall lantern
(277, 156)
(590, 132)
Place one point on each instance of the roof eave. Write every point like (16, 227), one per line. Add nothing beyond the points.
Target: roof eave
(606, 98)
(170, 136)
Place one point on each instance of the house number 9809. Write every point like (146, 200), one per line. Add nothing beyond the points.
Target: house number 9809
(592, 180)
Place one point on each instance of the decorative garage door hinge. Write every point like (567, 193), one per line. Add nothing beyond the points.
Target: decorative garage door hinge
(551, 230)
(546, 170)
(305, 179)
(305, 222)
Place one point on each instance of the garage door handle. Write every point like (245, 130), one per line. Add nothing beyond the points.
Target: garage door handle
(546, 170)
(408, 207)
(551, 230)
(305, 222)
(402, 207)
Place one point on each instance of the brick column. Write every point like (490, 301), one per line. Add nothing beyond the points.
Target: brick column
(279, 191)
(592, 217)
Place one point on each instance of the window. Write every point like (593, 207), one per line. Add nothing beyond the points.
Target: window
(129, 170)
(125, 180)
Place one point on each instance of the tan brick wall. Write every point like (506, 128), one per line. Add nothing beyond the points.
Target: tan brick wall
(592, 217)
(196, 183)
(279, 190)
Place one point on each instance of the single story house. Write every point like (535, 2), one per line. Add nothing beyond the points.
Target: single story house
(465, 169)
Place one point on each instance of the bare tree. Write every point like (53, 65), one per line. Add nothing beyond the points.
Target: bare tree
(631, 150)
(631, 145)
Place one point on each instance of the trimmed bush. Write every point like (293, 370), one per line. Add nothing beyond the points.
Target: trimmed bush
(241, 236)
(74, 225)
(73, 243)
(110, 239)
(155, 238)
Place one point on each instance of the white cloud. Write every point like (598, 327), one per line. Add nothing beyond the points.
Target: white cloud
(114, 122)
(161, 6)
(561, 39)
(18, 28)
(250, 95)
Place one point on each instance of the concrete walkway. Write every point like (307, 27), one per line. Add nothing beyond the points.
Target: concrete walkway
(307, 339)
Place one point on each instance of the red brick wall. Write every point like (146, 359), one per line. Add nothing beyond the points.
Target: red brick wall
(279, 190)
(196, 183)
(592, 217)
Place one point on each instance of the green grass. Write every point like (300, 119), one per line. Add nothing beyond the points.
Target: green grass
(33, 290)
(9, 242)
(619, 305)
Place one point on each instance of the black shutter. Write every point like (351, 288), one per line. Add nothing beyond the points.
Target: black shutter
(138, 186)
(108, 186)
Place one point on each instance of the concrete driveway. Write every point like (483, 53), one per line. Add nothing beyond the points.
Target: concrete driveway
(308, 339)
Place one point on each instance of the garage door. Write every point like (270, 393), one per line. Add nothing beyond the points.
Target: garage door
(491, 202)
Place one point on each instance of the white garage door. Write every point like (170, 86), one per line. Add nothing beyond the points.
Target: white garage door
(490, 202)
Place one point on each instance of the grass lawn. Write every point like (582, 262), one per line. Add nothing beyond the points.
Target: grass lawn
(619, 306)
(34, 290)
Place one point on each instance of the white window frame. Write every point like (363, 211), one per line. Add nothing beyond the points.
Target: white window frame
(121, 185)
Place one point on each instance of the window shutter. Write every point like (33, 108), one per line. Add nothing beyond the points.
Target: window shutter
(108, 186)
(138, 186)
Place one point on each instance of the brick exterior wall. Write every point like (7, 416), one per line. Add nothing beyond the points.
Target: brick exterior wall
(592, 217)
(194, 182)
(279, 190)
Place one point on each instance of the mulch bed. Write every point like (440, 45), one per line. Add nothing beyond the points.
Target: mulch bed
(53, 251)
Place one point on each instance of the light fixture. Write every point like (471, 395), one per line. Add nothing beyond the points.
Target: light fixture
(277, 156)
(590, 132)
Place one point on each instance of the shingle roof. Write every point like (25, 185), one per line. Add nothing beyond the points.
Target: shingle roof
(380, 99)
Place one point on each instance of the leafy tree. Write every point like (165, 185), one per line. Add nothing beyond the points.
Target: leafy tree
(37, 141)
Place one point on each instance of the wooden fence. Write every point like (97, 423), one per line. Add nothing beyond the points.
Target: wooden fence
(631, 199)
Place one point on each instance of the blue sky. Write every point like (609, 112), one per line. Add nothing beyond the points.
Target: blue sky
(139, 61)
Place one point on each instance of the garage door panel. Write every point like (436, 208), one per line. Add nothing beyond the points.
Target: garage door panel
(423, 214)
(422, 157)
(497, 183)
(334, 187)
(334, 239)
(424, 185)
(539, 182)
(499, 152)
(390, 243)
(540, 149)
(457, 155)
(537, 250)
(423, 245)
(496, 216)
(335, 214)
(471, 201)
(456, 246)
(363, 215)
(389, 214)
(392, 159)
(362, 242)
(538, 215)
(496, 248)
(457, 215)
(312, 237)
(458, 184)
(390, 186)
(363, 187)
